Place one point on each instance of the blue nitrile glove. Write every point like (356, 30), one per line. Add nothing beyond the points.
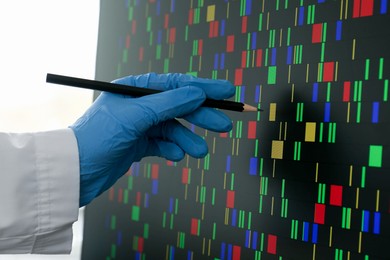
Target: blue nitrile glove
(118, 130)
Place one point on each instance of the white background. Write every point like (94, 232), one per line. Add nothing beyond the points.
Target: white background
(39, 37)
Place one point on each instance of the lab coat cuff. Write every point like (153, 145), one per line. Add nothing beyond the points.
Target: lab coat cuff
(57, 162)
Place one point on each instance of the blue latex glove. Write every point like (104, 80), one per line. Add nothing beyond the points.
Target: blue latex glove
(118, 130)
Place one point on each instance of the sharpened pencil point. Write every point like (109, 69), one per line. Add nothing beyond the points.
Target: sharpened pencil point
(248, 108)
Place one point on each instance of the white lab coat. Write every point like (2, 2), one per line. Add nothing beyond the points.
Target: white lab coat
(39, 192)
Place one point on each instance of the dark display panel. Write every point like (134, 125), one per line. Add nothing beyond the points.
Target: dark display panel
(307, 178)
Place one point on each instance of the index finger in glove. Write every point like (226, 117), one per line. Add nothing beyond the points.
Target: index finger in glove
(214, 89)
(148, 111)
(210, 119)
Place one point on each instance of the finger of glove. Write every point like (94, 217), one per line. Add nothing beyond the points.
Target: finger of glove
(210, 119)
(175, 132)
(165, 149)
(151, 110)
(214, 89)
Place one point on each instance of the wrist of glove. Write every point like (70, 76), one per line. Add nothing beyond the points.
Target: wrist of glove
(118, 130)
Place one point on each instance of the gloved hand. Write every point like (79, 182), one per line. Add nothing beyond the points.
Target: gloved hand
(118, 130)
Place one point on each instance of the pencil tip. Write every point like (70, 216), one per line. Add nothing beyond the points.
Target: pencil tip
(248, 108)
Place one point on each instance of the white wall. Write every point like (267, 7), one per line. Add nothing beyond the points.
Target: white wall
(39, 37)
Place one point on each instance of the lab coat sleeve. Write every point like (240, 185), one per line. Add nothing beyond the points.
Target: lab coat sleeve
(39, 192)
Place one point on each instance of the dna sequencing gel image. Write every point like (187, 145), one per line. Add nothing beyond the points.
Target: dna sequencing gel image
(307, 178)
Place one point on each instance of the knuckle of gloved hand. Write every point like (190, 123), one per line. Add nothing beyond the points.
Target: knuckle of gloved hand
(142, 81)
(181, 80)
(194, 95)
(173, 80)
(142, 118)
(150, 114)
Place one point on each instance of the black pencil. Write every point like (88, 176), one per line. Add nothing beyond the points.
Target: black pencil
(139, 92)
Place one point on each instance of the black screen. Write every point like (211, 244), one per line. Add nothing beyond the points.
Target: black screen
(307, 178)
